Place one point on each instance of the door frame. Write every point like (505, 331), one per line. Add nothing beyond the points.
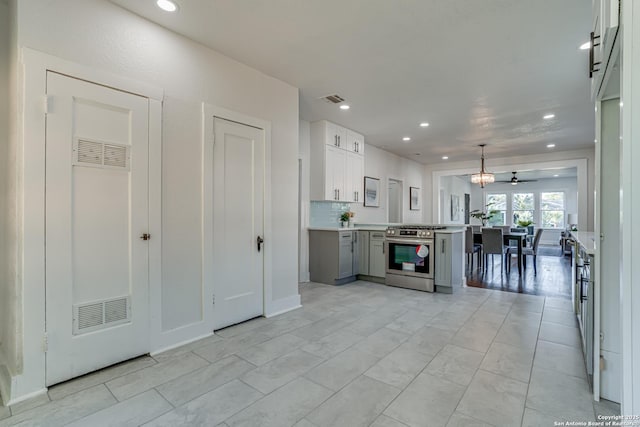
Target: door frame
(28, 380)
(209, 112)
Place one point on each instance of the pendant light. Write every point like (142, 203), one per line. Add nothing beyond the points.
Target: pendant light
(483, 177)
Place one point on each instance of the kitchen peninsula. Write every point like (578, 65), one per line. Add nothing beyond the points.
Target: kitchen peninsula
(423, 257)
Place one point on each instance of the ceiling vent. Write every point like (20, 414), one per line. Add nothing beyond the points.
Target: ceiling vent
(333, 99)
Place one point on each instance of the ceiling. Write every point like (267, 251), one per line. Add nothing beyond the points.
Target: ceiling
(477, 71)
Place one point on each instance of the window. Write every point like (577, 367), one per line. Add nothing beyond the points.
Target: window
(523, 206)
(552, 209)
(497, 202)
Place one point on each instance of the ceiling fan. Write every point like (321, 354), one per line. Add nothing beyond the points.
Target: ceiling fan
(515, 181)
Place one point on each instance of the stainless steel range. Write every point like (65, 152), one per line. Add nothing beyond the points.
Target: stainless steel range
(409, 256)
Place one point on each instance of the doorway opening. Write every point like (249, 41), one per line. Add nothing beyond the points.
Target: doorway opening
(394, 204)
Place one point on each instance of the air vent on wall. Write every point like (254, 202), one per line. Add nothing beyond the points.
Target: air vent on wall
(92, 316)
(334, 99)
(100, 155)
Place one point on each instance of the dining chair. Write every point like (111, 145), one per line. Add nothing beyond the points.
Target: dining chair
(533, 251)
(492, 244)
(472, 248)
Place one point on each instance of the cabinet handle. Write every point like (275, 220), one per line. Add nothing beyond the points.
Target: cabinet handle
(592, 64)
(442, 246)
(339, 141)
(338, 190)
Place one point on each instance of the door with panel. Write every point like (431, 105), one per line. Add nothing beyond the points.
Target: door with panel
(97, 283)
(238, 222)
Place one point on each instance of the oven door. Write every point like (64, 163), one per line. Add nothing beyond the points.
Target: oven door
(409, 257)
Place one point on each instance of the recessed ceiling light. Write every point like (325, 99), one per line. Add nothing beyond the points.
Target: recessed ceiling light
(585, 45)
(424, 124)
(445, 157)
(548, 116)
(556, 175)
(406, 138)
(551, 145)
(344, 107)
(167, 5)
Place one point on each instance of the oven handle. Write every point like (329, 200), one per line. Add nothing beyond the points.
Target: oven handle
(411, 241)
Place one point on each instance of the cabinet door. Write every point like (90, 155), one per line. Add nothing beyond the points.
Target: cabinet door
(336, 136)
(355, 177)
(335, 166)
(355, 142)
(363, 252)
(345, 257)
(442, 264)
(376, 254)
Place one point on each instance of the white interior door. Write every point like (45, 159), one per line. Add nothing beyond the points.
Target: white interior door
(96, 210)
(238, 222)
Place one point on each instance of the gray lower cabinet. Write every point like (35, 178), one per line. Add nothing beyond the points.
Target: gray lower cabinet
(333, 256)
(376, 254)
(363, 252)
(448, 261)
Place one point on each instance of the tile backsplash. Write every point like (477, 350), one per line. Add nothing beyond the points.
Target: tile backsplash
(326, 214)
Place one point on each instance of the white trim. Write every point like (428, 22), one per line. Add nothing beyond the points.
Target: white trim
(5, 381)
(25, 397)
(208, 113)
(31, 208)
(180, 344)
(630, 228)
(284, 305)
(582, 183)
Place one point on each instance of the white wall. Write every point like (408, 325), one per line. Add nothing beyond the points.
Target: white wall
(453, 186)
(505, 164)
(5, 41)
(10, 326)
(384, 165)
(99, 34)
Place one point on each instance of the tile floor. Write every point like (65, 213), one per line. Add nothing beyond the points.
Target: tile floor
(357, 355)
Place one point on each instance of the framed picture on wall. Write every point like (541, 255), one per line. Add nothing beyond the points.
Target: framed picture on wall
(455, 207)
(371, 191)
(414, 198)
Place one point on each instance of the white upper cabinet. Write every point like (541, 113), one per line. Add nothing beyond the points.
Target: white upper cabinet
(355, 142)
(603, 51)
(337, 163)
(354, 181)
(335, 135)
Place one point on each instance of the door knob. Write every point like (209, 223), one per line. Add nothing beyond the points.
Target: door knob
(259, 241)
(145, 236)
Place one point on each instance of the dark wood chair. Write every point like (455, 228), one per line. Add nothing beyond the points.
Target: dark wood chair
(493, 244)
(472, 248)
(533, 251)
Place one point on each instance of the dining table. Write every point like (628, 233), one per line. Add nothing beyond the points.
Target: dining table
(507, 238)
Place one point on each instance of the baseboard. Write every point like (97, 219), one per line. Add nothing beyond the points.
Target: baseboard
(283, 305)
(27, 397)
(180, 344)
(5, 384)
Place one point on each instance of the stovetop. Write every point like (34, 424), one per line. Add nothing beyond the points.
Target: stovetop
(418, 227)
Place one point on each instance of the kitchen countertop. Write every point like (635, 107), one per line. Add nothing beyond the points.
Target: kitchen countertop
(586, 239)
(451, 230)
(357, 228)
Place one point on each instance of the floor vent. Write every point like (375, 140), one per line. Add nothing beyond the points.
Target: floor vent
(97, 315)
(334, 99)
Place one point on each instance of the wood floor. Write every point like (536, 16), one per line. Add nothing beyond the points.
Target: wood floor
(553, 278)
